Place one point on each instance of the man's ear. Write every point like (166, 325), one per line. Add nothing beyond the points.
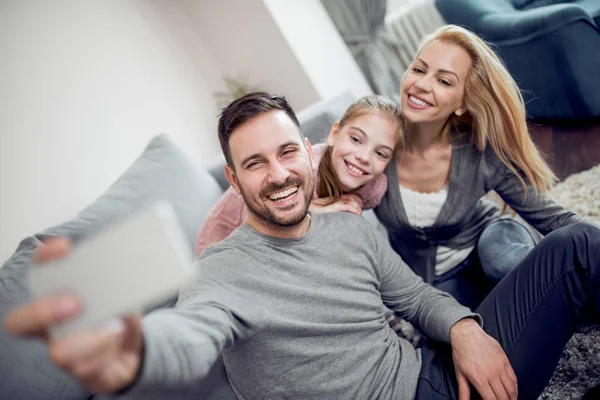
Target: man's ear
(310, 150)
(335, 129)
(232, 178)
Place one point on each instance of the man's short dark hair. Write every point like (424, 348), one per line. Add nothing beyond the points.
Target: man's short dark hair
(244, 109)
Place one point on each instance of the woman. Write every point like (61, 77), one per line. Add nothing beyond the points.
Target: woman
(348, 169)
(466, 135)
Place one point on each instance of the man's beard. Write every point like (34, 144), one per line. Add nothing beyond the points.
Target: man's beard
(284, 219)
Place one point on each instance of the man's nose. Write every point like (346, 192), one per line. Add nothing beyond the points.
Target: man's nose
(278, 173)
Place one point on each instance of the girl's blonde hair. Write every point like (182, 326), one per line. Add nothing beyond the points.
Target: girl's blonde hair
(328, 184)
(496, 110)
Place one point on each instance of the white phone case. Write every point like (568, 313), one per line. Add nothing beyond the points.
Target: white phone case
(133, 264)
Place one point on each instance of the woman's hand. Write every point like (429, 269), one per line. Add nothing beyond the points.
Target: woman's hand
(348, 203)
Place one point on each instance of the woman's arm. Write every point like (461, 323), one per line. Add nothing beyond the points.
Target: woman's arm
(536, 208)
(223, 218)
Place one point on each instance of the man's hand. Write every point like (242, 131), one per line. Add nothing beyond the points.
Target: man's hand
(348, 202)
(105, 360)
(480, 360)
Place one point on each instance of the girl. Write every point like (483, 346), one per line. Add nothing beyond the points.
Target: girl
(348, 169)
(466, 134)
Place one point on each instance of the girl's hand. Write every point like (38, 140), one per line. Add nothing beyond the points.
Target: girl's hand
(348, 203)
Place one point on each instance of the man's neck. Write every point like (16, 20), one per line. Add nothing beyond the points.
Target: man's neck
(282, 232)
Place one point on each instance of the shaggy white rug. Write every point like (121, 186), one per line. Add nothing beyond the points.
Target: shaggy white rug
(580, 193)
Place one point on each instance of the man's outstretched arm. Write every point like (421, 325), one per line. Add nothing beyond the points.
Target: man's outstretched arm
(169, 347)
(182, 344)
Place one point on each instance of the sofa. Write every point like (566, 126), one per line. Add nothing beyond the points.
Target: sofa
(551, 48)
(162, 171)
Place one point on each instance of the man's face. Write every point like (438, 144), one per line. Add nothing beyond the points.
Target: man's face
(273, 171)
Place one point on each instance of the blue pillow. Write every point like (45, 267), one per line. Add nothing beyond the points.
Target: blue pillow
(529, 4)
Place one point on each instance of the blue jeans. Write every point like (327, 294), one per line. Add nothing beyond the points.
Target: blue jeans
(532, 312)
(501, 246)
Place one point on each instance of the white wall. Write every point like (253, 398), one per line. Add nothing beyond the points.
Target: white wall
(319, 47)
(83, 87)
(247, 44)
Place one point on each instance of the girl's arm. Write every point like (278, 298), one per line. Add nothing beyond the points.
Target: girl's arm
(223, 218)
(364, 198)
(348, 202)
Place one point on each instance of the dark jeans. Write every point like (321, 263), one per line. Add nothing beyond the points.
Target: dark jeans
(501, 247)
(466, 282)
(532, 312)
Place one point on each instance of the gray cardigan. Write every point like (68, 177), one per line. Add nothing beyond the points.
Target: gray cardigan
(465, 214)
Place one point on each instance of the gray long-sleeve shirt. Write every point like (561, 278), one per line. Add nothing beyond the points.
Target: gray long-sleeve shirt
(299, 318)
(465, 214)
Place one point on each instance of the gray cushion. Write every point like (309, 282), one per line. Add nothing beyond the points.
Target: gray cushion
(217, 170)
(162, 171)
(316, 120)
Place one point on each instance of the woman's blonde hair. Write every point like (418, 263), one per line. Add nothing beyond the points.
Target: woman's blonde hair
(496, 110)
(328, 184)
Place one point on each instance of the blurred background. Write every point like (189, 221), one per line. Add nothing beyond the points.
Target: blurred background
(84, 85)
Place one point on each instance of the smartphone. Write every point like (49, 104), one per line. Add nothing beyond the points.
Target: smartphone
(130, 266)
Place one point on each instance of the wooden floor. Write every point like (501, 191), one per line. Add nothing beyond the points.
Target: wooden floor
(569, 146)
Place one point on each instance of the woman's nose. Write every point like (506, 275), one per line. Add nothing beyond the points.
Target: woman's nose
(423, 84)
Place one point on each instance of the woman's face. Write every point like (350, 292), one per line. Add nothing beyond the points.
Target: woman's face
(433, 87)
(362, 148)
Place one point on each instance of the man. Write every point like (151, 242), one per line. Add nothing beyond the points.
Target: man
(294, 303)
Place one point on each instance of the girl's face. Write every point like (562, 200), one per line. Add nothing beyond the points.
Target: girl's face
(433, 87)
(362, 148)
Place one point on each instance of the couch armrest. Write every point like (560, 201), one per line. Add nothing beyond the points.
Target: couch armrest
(522, 26)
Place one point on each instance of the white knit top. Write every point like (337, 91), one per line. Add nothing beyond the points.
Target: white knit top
(422, 210)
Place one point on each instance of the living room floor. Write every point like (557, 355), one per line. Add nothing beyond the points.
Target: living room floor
(571, 146)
